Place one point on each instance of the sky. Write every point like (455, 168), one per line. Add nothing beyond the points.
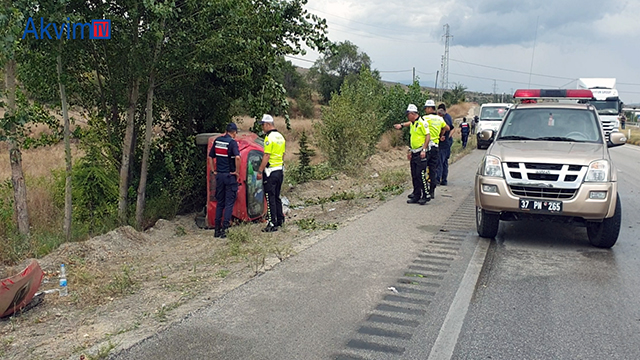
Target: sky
(517, 43)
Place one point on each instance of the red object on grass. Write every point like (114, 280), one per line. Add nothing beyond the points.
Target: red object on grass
(18, 290)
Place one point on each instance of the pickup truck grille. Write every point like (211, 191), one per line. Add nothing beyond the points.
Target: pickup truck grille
(544, 180)
(542, 193)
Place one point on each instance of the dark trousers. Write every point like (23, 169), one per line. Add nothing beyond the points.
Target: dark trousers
(226, 192)
(443, 166)
(433, 159)
(419, 176)
(272, 185)
(465, 138)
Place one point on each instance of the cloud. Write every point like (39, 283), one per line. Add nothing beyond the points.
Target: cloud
(505, 22)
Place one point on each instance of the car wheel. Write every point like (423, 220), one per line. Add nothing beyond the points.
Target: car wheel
(487, 223)
(605, 234)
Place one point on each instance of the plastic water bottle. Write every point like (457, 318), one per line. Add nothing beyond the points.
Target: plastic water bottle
(63, 281)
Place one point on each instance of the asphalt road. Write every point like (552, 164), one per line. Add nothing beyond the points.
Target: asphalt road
(545, 293)
(333, 300)
(411, 282)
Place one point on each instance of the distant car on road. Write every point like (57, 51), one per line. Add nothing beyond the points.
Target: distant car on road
(490, 117)
(550, 161)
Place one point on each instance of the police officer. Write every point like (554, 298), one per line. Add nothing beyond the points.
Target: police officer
(417, 155)
(444, 147)
(227, 156)
(273, 168)
(437, 128)
(464, 132)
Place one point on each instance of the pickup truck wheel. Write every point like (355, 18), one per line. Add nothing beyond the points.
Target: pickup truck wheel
(487, 223)
(605, 234)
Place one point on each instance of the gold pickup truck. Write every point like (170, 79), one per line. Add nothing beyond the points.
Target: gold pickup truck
(550, 161)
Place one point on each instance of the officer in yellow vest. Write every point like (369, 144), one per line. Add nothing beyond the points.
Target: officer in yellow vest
(272, 167)
(417, 155)
(437, 128)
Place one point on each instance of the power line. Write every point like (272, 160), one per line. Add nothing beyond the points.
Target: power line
(376, 36)
(395, 71)
(358, 22)
(506, 81)
(514, 71)
(296, 58)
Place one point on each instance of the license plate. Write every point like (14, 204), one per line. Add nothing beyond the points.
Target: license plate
(549, 206)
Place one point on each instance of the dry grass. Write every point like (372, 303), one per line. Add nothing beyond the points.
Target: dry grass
(390, 140)
(292, 136)
(634, 139)
(460, 110)
(37, 162)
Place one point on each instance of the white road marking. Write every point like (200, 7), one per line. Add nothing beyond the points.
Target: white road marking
(448, 336)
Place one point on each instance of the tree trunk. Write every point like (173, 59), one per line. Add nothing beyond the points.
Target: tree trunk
(15, 156)
(67, 153)
(142, 187)
(126, 152)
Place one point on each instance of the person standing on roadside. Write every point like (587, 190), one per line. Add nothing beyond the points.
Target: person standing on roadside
(417, 155)
(227, 155)
(273, 168)
(464, 132)
(437, 128)
(445, 147)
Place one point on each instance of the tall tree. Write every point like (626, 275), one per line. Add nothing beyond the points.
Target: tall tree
(10, 26)
(336, 63)
(159, 31)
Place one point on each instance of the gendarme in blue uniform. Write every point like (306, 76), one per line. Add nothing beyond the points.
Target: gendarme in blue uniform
(225, 150)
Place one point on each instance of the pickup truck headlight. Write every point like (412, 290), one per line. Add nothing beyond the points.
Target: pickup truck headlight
(492, 167)
(598, 171)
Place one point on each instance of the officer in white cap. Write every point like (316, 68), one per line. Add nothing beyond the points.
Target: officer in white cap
(272, 167)
(417, 155)
(437, 128)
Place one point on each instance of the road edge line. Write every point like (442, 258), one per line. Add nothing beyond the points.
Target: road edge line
(448, 336)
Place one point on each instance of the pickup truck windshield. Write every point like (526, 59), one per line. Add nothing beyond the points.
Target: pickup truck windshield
(549, 124)
(493, 113)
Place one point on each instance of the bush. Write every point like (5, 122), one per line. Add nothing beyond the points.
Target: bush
(304, 171)
(306, 105)
(353, 122)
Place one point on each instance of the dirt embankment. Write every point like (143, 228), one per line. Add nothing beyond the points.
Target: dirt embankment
(126, 285)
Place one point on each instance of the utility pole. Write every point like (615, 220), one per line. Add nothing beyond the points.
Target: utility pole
(445, 58)
(436, 89)
(495, 90)
(414, 75)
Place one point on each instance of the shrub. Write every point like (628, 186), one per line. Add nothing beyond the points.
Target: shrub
(306, 105)
(304, 171)
(352, 123)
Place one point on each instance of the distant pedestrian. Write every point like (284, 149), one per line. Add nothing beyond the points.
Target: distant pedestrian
(417, 155)
(445, 147)
(437, 127)
(623, 120)
(273, 168)
(225, 152)
(464, 132)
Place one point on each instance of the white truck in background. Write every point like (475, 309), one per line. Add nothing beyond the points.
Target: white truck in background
(605, 100)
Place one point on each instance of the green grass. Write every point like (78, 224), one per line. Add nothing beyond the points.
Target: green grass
(311, 224)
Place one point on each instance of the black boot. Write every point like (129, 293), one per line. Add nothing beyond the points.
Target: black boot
(217, 233)
(223, 233)
(270, 228)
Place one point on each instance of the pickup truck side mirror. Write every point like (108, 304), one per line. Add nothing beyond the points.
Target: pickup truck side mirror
(616, 139)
